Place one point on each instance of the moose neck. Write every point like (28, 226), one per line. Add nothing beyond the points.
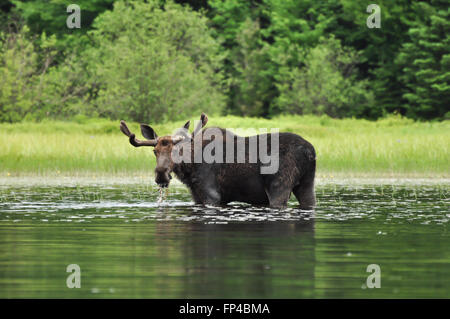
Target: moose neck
(183, 171)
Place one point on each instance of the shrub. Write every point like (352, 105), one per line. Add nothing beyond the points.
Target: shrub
(325, 84)
(154, 64)
(19, 74)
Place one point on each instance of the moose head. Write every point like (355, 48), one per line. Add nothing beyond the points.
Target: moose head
(163, 146)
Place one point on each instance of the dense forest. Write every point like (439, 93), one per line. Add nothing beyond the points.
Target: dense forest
(155, 60)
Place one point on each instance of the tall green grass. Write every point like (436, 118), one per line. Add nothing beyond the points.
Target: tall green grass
(391, 146)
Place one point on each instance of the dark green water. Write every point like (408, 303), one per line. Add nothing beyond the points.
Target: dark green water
(128, 246)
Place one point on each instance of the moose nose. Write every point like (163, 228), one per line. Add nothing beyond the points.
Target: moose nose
(162, 177)
(160, 170)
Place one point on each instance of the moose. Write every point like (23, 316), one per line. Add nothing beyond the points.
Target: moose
(238, 174)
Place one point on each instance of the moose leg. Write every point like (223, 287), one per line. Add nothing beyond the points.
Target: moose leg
(196, 197)
(206, 196)
(305, 195)
(212, 197)
(278, 194)
(206, 193)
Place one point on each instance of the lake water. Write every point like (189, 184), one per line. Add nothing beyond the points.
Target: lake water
(129, 246)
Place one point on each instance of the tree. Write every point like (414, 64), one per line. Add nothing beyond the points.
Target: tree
(294, 26)
(236, 25)
(425, 61)
(326, 84)
(251, 86)
(50, 16)
(23, 66)
(153, 63)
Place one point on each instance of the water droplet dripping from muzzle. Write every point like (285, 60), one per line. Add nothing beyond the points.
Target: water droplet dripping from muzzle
(162, 194)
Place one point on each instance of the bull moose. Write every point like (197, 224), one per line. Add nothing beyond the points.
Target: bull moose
(238, 175)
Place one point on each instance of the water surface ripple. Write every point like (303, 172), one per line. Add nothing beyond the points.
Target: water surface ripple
(127, 245)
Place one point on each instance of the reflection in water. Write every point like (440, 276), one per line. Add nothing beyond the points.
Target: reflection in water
(249, 259)
(128, 245)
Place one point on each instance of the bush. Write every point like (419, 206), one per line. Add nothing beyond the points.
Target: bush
(153, 64)
(325, 84)
(144, 63)
(425, 61)
(250, 84)
(22, 68)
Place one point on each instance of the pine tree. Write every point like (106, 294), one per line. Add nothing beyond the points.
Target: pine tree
(425, 60)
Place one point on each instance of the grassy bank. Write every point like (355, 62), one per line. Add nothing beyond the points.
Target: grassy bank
(388, 147)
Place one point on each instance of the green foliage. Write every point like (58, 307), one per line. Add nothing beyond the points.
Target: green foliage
(236, 25)
(295, 24)
(227, 16)
(251, 83)
(326, 84)
(70, 89)
(157, 60)
(378, 47)
(129, 70)
(22, 70)
(18, 71)
(166, 71)
(50, 15)
(426, 63)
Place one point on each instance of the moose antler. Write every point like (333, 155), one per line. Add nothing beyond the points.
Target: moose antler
(133, 140)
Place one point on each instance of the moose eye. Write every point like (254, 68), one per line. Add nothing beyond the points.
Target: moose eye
(164, 143)
(154, 152)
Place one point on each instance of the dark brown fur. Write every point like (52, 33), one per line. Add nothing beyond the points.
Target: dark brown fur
(221, 183)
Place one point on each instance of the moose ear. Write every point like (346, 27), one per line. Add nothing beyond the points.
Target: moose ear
(204, 119)
(186, 126)
(148, 132)
(201, 124)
